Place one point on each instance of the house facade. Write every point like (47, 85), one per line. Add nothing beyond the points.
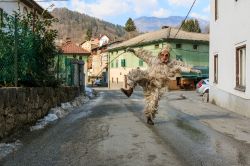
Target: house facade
(99, 64)
(24, 6)
(191, 48)
(229, 55)
(71, 53)
(103, 40)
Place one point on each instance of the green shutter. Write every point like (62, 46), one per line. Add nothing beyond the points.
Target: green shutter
(140, 62)
(123, 63)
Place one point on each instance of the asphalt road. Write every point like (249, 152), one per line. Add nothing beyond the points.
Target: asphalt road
(111, 130)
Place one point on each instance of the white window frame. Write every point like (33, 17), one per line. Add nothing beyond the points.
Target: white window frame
(216, 66)
(241, 68)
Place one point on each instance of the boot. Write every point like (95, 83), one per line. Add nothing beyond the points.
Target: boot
(150, 121)
(128, 92)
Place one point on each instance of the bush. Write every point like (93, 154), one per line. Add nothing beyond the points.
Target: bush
(31, 39)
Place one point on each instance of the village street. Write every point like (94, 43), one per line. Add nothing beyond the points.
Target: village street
(110, 130)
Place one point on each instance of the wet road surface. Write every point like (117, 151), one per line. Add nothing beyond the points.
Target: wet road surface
(111, 130)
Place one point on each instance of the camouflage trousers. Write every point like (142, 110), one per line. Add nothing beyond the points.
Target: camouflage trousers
(153, 89)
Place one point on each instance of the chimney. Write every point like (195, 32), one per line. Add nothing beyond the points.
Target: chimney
(68, 40)
(165, 27)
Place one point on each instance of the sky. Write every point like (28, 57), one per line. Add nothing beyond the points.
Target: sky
(118, 11)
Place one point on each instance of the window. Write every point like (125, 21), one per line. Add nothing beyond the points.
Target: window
(140, 62)
(123, 63)
(216, 68)
(117, 80)
(116, 63)
(156, 46)
(178, 45)
(112, 65)
(1, 17)
(179, 57)
(241, 68)
(195, 47)
(216, 9)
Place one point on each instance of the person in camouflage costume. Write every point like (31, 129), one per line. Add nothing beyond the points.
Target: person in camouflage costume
(155, 79)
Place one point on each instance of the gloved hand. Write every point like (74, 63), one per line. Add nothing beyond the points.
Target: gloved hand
(129, 49)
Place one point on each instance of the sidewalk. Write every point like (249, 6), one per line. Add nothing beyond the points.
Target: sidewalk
(221, 120)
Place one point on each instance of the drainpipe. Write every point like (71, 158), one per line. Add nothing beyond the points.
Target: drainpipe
(109, 70)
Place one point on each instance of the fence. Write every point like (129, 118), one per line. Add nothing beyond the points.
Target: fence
(29, 57)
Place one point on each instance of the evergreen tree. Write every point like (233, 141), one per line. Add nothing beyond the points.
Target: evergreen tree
(130, 25)
(191, 25)
(88, 34)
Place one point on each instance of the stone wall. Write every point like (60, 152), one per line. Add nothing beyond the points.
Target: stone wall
(24, 106)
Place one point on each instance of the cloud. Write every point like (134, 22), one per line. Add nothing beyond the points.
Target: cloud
(161, 13)
(108, 8)
(197, 15)
(142, 8)
(99, 8)
(207, 9)
(180, 2)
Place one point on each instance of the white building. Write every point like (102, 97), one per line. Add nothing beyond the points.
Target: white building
(103, 40)
(24, 6)
(229, 55)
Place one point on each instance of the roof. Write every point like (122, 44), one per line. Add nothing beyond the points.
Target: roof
(161, 35)
(33, 4)
(71, 48)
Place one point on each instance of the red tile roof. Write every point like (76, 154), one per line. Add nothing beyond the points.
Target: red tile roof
(71, 48)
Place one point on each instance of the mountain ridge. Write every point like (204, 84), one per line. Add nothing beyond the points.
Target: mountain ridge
(148, 24)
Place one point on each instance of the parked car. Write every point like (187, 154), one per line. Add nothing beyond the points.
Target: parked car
(98, 82)
(202, 86)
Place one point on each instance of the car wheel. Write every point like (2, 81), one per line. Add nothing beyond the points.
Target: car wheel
(205, 97)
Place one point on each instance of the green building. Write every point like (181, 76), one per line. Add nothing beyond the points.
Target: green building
(191, 48)
(72, 60)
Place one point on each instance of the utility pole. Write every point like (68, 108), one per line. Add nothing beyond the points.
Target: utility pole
(15, 50)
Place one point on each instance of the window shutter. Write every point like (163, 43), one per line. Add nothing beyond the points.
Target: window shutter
(123, 63)
(237, 68)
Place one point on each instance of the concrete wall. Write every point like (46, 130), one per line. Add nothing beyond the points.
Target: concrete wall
(229, 101)
(228, 32)
(23, 106)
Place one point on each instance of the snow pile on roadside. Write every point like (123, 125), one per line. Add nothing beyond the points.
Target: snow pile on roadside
(53, 115)
(64, 109)
(90, 92)
(7, 148)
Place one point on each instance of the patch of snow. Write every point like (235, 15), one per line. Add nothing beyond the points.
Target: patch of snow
(91, 93)
(41, 123)
(7, 148)
(67, 106)
(64, 109)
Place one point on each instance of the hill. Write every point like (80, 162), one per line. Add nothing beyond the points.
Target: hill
(75, 25)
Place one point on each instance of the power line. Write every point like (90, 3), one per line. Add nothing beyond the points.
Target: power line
(185, 18)
(49, 0)
(13, 1)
